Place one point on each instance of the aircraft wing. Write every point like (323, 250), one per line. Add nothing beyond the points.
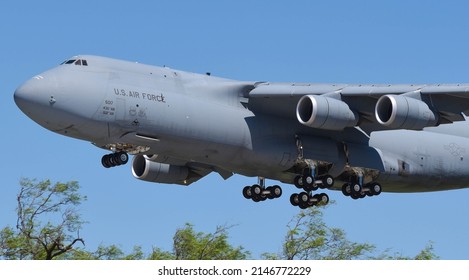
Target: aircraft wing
(371, 107)
(199, 170)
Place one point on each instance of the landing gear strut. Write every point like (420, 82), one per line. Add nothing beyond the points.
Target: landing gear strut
(115, 159)
(259, 192)
(309, 182)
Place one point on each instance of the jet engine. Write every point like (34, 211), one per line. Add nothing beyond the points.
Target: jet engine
(401, 112)
(324, 112)
(145, 169)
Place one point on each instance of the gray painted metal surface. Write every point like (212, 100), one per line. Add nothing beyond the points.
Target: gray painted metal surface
(181, 126)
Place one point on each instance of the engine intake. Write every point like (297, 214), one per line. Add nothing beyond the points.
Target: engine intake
(401, 112)
(145, 169)
(324, 112)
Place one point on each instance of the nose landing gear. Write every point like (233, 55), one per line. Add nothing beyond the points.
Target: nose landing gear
(114, 159)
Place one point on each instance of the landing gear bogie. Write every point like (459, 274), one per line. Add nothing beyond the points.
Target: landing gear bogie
(305, 200)
(309, 183)
(115, 159)
(259, 192)
(356, 191)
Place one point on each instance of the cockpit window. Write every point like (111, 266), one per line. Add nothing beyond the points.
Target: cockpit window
(69, 61)
(81, 62)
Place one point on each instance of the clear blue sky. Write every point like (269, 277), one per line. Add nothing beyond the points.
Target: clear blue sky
(303, 41)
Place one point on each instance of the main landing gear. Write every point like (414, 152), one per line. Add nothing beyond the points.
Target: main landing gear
(310, 183)
(115, 159)
(357, 190)
(259, 192)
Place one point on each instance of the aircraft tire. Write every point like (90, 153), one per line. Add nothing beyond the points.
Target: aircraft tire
(327, 182)
(298, 182)
(294, 200)
(247, 192)
(256, 198)
(323, 199)
(346, 189)
(270, 195)
(105, 161)
(375, 188)
(303, 205)
(303, 197)
(121, 158)
(256, 190)
(316, 199)
(308, 183)
(356, 188)
(276, 191)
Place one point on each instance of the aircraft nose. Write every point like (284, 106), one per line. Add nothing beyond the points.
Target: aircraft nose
(36, 96)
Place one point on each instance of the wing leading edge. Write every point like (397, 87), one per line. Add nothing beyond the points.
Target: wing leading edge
(371, 107)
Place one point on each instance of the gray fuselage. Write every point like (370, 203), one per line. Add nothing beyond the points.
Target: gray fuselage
(206, 123)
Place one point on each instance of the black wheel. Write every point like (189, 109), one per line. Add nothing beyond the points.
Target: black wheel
(375, 188)
(303, 205)
(247, 192)
(256, 190)
(308, 183)
(298, 181)
(256, 198)
(276, 191)
(316, 199)
(112, 160)
(303, 197)
(327, 182)
(294, 200)
(356, 189)
(323, 199)
(346, 189)
(310, 188)
(270, 195)
(121, 158)
(105, 161)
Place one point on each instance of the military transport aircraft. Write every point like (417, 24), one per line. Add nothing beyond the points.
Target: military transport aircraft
(182, 126)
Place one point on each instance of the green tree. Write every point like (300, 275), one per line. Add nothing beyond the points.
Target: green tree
(111, 252)
(35, 239)
(188, 244)
(308, 237)
(191, 245)
(427, 253)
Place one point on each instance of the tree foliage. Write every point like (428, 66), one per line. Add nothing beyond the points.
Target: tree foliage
(308, 237)
(111, 252)
(191, 245)
(48, 224)
(33, 238)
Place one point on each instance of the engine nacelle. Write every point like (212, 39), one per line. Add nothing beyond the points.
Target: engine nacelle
(401, 112)
(145, 169)
(324, 112)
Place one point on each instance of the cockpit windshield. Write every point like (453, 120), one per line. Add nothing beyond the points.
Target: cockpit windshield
(81, 62)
